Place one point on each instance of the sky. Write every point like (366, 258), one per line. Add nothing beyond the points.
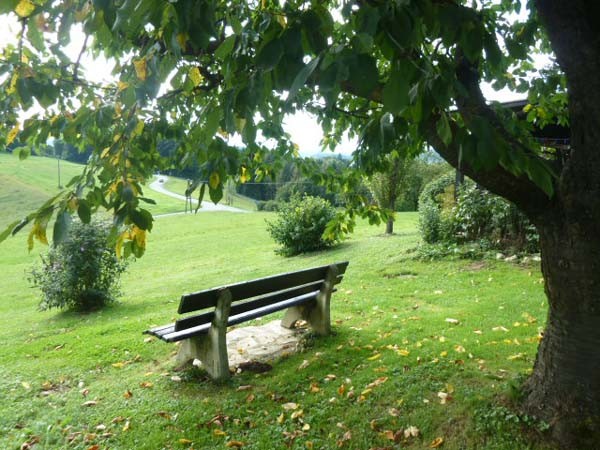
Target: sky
(302, 127)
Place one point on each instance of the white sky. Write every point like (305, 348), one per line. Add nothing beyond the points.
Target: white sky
(302, 127)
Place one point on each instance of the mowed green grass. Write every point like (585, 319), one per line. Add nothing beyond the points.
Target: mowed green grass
(75, 381)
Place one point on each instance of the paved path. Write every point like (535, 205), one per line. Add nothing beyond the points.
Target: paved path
(158, 186)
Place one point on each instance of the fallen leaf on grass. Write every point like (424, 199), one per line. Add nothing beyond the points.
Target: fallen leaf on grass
(176, 378)
(303, 365)
(146, 384)
(411, 432)
(437, 442)
(452, 321)
(127, 426)
(219, 432)
(289, 406)
(185, 441)
(245, 387)
(90, 403)
(94, 447)
(118, 365)
(234, 444)
(128, 394)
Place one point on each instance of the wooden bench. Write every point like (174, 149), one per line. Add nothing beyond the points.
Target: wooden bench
(304, 294)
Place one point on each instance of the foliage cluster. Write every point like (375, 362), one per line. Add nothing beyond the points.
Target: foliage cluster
(300, 225)
(472, 215)
(81, 272)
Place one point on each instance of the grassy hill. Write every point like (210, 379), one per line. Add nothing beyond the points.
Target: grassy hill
(395, 361)
(25, 185)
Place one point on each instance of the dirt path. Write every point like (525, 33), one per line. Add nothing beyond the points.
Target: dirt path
(158, 186)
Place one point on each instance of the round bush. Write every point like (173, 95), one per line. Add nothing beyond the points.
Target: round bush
(80, 273)
(300, 225)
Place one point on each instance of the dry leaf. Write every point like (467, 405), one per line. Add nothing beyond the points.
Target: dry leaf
(146, 384)
(374, 357)
(236, 444)
(176, 378)
(245, 387)
(304, 365)
(128, 394)
(148, 339)
(452, 321)
(185, 441)
(164, 415)
(280, 418)
(118, 365)
(127, 426)
(90, 403)
(289, 406)
(437, 442)
(94, 447)
(411, 431)
(250, 398)
(219, 432)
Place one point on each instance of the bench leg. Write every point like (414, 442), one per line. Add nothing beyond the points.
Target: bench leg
(211, 348)
(319, 316)
(293, 315)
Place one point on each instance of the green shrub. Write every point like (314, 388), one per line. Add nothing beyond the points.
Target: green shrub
(476, 215)
(268, 205)
(82, 272)
(435, 204)
(300, 225)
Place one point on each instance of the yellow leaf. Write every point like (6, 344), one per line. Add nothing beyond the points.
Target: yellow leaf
(184, 441)
(236, 444)
(436, 442)
(24, 8)
(146, 384)
(213, 180)
(139, 128)
(219, 432)
(182, 39)
(12, 88)
(128, 394)
(195, 76)
(244, 175)
(140, 68)
(127, 426)
(118, 365)
(280, 418)
(12, 134)
(403, 352)
(374, 357)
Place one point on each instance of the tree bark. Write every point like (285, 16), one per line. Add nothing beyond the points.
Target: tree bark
(564, 388)
(389, 226)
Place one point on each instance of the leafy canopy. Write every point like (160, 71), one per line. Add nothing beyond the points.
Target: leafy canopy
(199, 71)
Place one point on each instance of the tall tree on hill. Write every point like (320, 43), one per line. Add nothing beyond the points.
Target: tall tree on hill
(381, 70)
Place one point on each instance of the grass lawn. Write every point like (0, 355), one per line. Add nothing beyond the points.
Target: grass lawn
(395, 361)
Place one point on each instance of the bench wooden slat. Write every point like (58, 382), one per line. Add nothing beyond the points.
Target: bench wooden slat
(195, 320)
(159, 331)
(247, 289)
(241, 317)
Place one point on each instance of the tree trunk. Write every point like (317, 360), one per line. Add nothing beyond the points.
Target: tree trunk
(389, 226)
(564, 388)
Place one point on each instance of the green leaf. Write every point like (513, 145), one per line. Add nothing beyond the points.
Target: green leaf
(83, 211)
(61, 227)
(7, 232)
(147, 200)
(395, 92)
(269, 55)
(226, 47)
(7, 6)
(443, 129)
(302, 76)
(142, 219)
(541, 176)
(200, 197)
(23, 152)
(216, 194)
(363, 74)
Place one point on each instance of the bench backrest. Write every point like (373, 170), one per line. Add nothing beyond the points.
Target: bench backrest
(253, 294)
